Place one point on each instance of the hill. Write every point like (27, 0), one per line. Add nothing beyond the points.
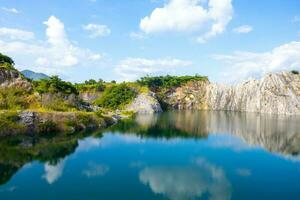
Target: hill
(34, 75)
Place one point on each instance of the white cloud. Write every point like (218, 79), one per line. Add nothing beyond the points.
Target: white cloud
(243, 29)
(133, 68)
(53, 172)
(53, 56)
(190, 16)
(244, 65)
(10, 10)
(97, 30)
(15, 34)
(193, 182)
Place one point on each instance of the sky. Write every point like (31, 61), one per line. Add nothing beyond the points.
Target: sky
(226, 40)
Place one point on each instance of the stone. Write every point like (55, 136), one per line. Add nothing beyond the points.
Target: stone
(145, 103)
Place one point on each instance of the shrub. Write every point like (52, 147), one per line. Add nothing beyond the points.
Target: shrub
(9, 123)
(116, 96)
(91, 86)
(168, 81)
(295, 72)
(6, 59)
(13, 98)
(48, 127)
(54, 85)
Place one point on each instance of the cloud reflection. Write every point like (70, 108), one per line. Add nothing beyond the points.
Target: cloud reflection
(190, 182)
(94, 170)
(53, 172)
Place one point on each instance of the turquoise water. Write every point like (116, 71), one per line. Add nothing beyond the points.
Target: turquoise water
(174, 155)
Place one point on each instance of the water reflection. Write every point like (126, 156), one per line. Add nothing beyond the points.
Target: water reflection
(182, 183)
(53, 172)
(143, 152)
(275, 133)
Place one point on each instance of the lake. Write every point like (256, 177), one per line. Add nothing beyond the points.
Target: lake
(175, 155)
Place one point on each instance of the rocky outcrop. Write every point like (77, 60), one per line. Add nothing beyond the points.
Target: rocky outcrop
(277, 93)
(89, 96)
(12, 78)
(145, 103)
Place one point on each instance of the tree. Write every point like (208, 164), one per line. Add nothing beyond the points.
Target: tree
(6, 59)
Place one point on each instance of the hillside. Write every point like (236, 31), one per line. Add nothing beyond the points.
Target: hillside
(33, 75)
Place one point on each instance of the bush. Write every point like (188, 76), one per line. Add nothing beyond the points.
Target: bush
(168, 81)
(9, 123)
(13, 98)
(116, 96)
(54, 85)
(6, 59)
(48, 127)
(295, 72)
(91, 86)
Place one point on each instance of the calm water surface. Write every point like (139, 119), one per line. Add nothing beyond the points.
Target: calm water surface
(174, 155)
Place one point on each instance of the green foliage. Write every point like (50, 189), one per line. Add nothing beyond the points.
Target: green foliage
(91, 85)
(9, 123)
(116, 96)
(295, 72)
(48, 127)
(6, 59)
(54, 85)
(13, 98)
(168, 81)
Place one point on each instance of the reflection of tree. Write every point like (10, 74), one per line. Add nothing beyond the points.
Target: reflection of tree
(276, 133)
(155, 126)
(190, 182)
(15, 152)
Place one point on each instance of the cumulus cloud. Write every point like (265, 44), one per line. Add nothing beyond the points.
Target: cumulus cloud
(191, 182)
(243, 29)
(10, 10)
(15, 34)
(52, 56)
(205, 18)
(97, 30)
(242, 65)
(133, 68)
(53, 172)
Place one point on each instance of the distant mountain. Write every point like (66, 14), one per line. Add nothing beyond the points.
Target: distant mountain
(33, 75)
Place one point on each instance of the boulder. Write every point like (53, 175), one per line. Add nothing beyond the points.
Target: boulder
(145, 103)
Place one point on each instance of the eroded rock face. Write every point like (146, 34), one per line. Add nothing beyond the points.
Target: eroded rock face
(277, 93)
(145, 103)
(89, 96)
(11, 78)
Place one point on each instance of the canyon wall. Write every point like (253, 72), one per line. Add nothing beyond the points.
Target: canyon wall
(276, 93)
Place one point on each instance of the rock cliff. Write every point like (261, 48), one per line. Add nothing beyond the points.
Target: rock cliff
(145, 103)
(12, 78)
(276, 93)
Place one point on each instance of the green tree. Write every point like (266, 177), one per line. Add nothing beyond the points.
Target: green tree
(6, 59)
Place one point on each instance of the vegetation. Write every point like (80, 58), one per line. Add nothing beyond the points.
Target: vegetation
(9, 123)
(14, 98)
(116, 96)
(91, 86)
(168, 81)
(54, 85)
(295, 72)
(6, 59)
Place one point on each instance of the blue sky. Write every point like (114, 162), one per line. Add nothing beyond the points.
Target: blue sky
(227, 40)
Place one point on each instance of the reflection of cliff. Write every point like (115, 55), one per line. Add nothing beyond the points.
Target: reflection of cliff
(276, 133)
